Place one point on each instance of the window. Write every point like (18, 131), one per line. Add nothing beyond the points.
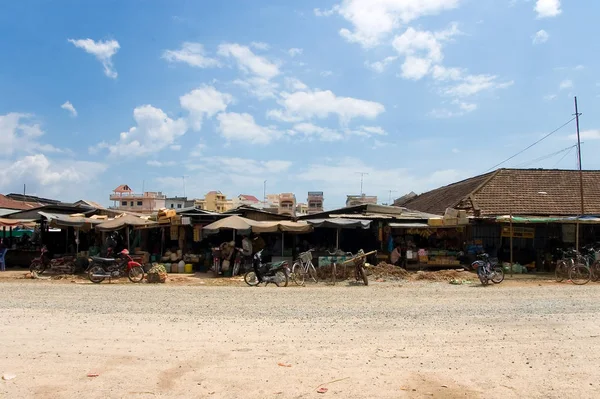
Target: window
(172, 206)
(178, 206)
(131, 204)
(123, 203)
(139, 203)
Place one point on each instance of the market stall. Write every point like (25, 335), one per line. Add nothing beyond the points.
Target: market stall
(339, 224)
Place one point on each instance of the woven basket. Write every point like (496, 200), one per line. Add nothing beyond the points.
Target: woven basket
(306, 256)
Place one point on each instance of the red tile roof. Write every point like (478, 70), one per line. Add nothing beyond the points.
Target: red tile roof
(8, 203)
(251, 198)
(536, 192)
(122, 189)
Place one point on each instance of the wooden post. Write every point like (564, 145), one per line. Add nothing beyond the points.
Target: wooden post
(337, 238)
(511, 245)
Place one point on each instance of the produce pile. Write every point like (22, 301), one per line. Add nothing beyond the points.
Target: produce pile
(157, 274)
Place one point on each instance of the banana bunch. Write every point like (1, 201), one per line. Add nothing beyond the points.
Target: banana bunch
(425, 233)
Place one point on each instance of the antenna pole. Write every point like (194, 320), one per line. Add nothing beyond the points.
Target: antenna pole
(580, 173)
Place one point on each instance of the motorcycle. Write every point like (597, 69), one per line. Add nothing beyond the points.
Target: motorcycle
(275, 272)
(102, 268)
(488, 270)
(43, 262)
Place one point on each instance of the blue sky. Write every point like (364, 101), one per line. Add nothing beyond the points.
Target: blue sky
(301, 94)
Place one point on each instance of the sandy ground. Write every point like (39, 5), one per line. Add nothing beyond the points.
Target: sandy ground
(388, 340)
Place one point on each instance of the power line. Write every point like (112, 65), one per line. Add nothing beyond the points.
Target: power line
(537, 142)
(543, 157)
(563, 157)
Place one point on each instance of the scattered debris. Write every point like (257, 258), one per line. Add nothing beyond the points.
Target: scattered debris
(9, 376)
(92, 375)
(322, 390)
(456, 281)
(284, 365)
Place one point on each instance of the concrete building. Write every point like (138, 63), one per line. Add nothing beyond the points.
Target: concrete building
(178, 203)
(353, 200)
(246, 200)
(287, 204)
(302, 209)
(124, 199)
(272, 201)
(315, 202)
(214, 201)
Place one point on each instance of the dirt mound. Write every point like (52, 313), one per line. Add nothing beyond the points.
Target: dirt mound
(444, 275)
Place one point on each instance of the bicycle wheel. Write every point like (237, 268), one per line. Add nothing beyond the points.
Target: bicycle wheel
(281, 279)
(298, 273)
(560, 271)
(363, 274)
(313, 273)
(580, 274)
(595, 271)
(251, 279)
(498, 275)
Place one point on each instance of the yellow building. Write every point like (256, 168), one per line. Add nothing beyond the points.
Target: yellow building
(214, 201)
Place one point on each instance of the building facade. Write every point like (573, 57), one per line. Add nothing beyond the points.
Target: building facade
(287, 204)
(214, 201)
(124, 199)
(314, 202)
(353, 200)
(178, 202)
(246, 200)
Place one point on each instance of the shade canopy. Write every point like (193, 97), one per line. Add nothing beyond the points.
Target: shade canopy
(282, 226)
(64, 221)
(17, 223)
(340, 223)
(241, 223)
(123, 221)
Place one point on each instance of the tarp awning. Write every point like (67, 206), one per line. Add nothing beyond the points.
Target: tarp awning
(63, 221)
(123, 221)
(410, 226)
(340, 223)
(241, 223)
(17, 223)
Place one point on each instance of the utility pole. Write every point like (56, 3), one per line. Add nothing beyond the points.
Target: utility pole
(183, 179)
(580, 173)
(390, 199)
(265, 194)
(362, 175)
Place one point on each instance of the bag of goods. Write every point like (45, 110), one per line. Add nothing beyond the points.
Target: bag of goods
(157, 274)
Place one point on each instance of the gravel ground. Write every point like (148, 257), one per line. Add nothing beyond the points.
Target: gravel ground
(388, 340)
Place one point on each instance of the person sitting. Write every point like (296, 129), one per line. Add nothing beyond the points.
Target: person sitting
(395, 256)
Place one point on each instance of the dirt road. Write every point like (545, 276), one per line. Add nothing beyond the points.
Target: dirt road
(389, 340)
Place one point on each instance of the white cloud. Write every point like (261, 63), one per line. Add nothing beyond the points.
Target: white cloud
(463, 108)
(376, 130)
(153, 132)
(56, 177)
(228, 165)
(18, 133)
(593, 134)
(380, 66)
(422, 50)
(550, 97)
(204, 102)
(159, 163)
(69, 107)
(566, 84)
(541, 36)
(473, 84)
(293, 52)
(326, 74)
(198, 150)
(260, 45)
(441, 73)
(248, 61)
(294, 84)
(192, 54)
(373, 20)
(339, 177)
(242, 127)
(279, 115)
(325, 13)
(175, 147)
(322, 103)
(415, 68)
(259, 87)
(102, 50)
(312, 131)
(547, 8)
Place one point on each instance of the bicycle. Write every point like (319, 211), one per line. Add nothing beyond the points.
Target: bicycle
(574, 265)
(334, 259)
(302, 267)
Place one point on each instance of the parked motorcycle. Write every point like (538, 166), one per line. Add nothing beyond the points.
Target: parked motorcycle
(275, 272)
(123, 264)
(40, 264)
(488, 270)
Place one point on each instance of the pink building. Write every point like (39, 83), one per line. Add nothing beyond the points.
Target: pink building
(124, 199)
